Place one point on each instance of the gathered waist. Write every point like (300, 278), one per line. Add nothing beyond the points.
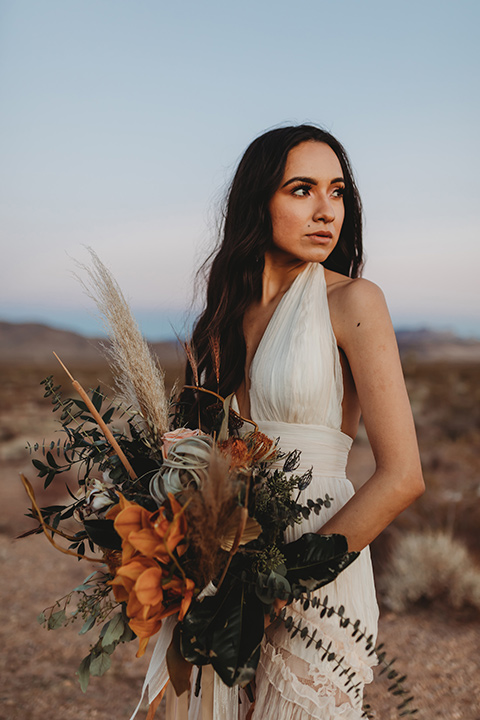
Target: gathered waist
(322, 447)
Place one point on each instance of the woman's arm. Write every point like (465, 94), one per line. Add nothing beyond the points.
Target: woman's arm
(364, 332)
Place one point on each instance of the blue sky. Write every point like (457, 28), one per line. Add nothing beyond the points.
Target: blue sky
(121, 122)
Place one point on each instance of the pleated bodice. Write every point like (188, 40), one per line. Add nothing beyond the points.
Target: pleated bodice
(295, 375)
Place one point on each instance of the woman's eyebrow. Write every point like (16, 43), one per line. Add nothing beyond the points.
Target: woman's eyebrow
(311, 181)
(308, 180)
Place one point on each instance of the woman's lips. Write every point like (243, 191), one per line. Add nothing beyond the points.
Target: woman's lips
(321, 236)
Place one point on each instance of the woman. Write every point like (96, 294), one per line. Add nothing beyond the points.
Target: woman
(307, 345)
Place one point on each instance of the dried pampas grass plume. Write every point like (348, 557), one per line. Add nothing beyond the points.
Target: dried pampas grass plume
(139, 379)
(209, 516)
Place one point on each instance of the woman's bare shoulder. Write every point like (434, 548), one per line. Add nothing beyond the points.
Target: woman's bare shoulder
(354, 301)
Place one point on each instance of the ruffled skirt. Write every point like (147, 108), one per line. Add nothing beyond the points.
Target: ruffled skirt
(292, 681)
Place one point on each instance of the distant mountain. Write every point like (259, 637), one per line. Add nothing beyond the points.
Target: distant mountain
(33, 344)
(435, 346)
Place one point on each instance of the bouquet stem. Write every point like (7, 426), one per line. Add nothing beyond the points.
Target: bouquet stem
(105, 429)
(47, 529)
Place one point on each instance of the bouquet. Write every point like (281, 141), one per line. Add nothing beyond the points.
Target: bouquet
(183, 523)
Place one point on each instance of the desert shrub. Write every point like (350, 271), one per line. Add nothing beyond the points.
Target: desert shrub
(430, 565)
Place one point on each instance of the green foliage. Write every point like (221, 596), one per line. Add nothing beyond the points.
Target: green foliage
(83, 673)
(274, 504)
(272, 586)
(98, 661)
(268, 559)
(315, 560)
(225, 630)
(113, 630)
(297, 626)
(85, 449)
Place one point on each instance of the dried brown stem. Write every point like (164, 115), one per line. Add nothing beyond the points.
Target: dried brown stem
(105, 429)
(47, 528)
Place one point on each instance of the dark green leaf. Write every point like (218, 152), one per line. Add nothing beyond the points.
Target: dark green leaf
(106, 417)
(83, 673)
(50, 477)
(56, 620)
(315, 560)
(269, 587)
(103, 533)
(51, 461)
(115, 629)
(97, 399)
(100, 664)
(40, 466)
(225, 630)
(87, 625)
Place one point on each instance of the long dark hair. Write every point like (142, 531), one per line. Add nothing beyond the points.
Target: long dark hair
(236, 266)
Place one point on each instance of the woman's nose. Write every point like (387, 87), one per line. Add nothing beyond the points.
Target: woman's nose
(324, 211)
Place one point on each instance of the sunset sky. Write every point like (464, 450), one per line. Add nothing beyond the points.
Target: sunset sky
(121, 123)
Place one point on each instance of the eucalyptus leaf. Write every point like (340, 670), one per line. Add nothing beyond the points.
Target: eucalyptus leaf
(114, 631)
(56, 620)
(269, 587)
(87, 625)
(100, 664)
(109, 649)
(83, 673)
(90, 576)
(128, 634)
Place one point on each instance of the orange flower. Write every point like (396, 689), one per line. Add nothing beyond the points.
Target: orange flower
(148, 587)
(132, 518)
(127, 575)
(127, 517)
(116, 509)
(144, 581)
(160, 537)
(262, 447)
(238, 453)
(185, 590)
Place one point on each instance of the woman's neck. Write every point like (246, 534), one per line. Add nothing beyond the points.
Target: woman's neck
(278, 275)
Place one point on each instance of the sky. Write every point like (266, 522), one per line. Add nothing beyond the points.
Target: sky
(121, 124)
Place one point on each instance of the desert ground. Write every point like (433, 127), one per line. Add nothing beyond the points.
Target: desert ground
(435, 643)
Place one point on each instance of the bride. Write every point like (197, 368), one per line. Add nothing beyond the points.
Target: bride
(307, 346)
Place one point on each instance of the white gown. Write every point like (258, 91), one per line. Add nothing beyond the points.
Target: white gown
(296, 395)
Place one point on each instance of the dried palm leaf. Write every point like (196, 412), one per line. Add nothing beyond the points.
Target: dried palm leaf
(251, 531)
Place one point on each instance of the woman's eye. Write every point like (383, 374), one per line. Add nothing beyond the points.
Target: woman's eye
(301, 190)
(338, 192)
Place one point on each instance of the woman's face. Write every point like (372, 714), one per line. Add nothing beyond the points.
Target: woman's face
(307, 210)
